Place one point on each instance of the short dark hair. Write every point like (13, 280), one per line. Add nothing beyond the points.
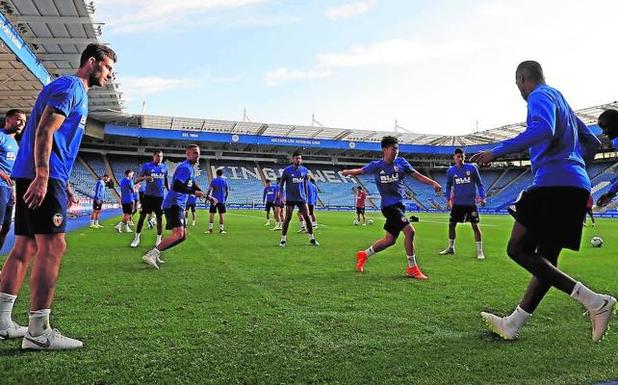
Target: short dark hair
(155, 152)
(311, 180)
(297, 153)
(127, 172)
(531, 70)
(98, 52)
(220, 172)
(105, 175)
(278, 179)
(388, 141)
(458, 151)
(359, 187)
(267, 181)
(608, 121)
(192, 145)
(13, 112)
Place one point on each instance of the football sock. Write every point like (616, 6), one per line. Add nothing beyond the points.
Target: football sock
(92, 222)
(587, 297)
(159, 237)
(284, 237)
(6, 309)
(518, 318)
(39, 322)
(370, 251)
(210, 226)
(479, 247)
(451, 244)
(221, 227)
(313, 236)
(411, 260)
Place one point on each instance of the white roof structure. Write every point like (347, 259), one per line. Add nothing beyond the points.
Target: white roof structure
(56, 31)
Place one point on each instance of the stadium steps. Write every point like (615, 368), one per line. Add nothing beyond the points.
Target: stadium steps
(609, 169)
(514, 180)
(208, 170)
(110, 172)
(412, 195)
(506, 171)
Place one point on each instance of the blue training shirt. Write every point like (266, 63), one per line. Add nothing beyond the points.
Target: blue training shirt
(219, 188)
(295, 179)
(560, 144)
(156, 188)
(191, 200)
(465, 180)
(312, 194)
(99, 191)
(270, 193)
(8, 152)
(185, 173)
(613, 189)
(389, 179)
(126, 191)
(68, 96)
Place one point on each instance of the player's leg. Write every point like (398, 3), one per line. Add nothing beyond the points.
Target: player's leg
(412, 270)
(301, 222)
(140, 225)
(193, 215)
(304, 212)
(211, 218)
(383, 243)
(178, 235)
(452, 234)
(158, 211)
(289, 213)
(478, 239)
(8, 217)
(591, 217)
(314, 221)
(222, 212)
(176, 222)
(267, 209)
(11, 281)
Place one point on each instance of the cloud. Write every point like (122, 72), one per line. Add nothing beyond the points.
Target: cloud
(138, 87)
(130, 16)
(348, 10)
(282, 74)
(227, 79)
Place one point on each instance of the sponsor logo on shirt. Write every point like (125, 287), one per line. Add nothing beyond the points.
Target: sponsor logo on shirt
(82, 122)
(298, 180)
(157, 175)
(384, 179)
(11, 155)
(462, 180)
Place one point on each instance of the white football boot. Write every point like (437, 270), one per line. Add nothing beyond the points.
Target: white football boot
(499, 326)
(600, 318)
(51, 339)
(13, 331)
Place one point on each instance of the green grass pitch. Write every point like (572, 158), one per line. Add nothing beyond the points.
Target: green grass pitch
(237, 309)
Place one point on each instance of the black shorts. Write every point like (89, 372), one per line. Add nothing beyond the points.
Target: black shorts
(553, 214)
(141, 196)
(360, 210)
(395, 218)
(6, 205)
(299, 204)
(152, 204)
(174, 217)
(190, 207)
(127, 208)
(269, 205)
(310, 207)
(49, 218)
(219, 207)
(280, 205)
(464, 213)
(97, 204)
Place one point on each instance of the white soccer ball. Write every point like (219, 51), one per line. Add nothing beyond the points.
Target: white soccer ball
(596, 242)
(355, 223)
(370, 221)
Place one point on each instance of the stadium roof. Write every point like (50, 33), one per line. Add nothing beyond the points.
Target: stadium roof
(56, 32)
(587, 115)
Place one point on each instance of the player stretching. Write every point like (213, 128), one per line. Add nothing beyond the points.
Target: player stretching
(183, 185)
(14, 122)
(294, 178)
(549, 214)
(219, 189)
(191, 202)
(44, 161)
(268, 199)
(155, 175)
(464, 179)
(359, 200)
(97, 201)
(127, 201)
(388, 174)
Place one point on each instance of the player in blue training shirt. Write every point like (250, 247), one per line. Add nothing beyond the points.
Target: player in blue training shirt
(549, 214)
(14, 121)
(126, 199)
(47, 151)
(268, 199)
(278, 205)
(464, 180)
(97, 200)
(388, 175)
(608, 121)
(219, 189)
(155, 176)
(312, 200)
(294, 178)
(183, 185)
(191, 203)
(136, 188)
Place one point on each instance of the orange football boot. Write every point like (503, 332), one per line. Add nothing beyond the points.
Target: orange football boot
(415, 272)
(361, 259)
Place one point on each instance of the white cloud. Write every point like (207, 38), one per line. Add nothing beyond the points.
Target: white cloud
(139, 87)
(129, 16)
(345, 11)
(282, 74)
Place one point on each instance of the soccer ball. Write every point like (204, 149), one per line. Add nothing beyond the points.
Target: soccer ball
(596, 242)
(370, 221)
(355, 223)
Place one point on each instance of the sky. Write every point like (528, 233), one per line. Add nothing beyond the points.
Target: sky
(439, 67)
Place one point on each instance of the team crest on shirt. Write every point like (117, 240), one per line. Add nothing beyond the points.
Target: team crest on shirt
(404, 219)
(57, 219)
(468, 173)
(396, 168)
